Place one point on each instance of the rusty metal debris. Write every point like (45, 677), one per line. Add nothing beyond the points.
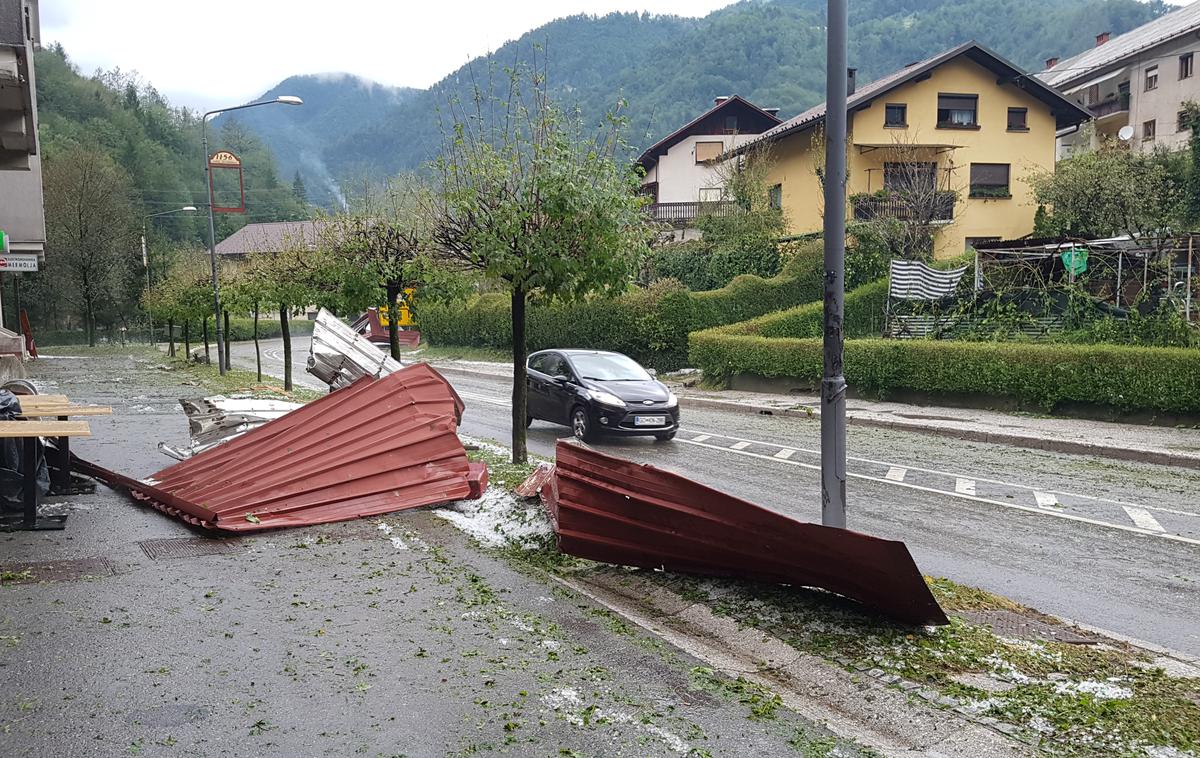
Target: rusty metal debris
(213, 420)
(535, 482)
(370, 327)
(616, 511)
(376, 446)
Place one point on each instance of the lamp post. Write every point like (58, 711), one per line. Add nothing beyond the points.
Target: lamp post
(146, 258)
(212, 230)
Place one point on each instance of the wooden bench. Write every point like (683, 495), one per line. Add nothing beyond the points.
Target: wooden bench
(29, 431)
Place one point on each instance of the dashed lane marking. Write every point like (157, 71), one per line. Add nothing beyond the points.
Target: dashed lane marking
(962, 496)
(1143, 519)
(1045, 499)
(702, 438)
(740, 445)
(1093, 498)
(964, 486)
(896, 474)
(785, 453)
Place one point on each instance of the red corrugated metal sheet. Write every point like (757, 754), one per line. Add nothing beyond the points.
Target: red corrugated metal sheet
(616, 511)
(377, 446)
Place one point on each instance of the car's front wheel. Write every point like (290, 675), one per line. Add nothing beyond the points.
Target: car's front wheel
(581, 425)
(664, 436)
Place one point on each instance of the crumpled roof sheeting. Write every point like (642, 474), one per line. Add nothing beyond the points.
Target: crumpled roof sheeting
(340, 355)
(377, 446)
(213, 420)
(616, 511)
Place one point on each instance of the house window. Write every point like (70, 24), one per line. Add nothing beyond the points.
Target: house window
(775, 197)
(731, 124)
(957, 111)
(706, 151)
(989, 180)
(1018, 120)
(1149, 128)
(1152, 78)
(895, 114)
(1185, 66)
(711, 194)
(910, 177)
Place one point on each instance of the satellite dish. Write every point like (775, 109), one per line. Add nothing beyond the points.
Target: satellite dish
(1125, 134)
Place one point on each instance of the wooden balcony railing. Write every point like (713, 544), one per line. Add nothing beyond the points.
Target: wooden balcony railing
(1109, 107)
(684, 214)
(940, 207)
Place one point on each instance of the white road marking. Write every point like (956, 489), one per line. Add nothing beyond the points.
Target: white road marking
(739, 446)
(896, 474)
(785, 453)
(1045, 499)
(964, 486)
(483, 399)
(1013, 506)
(702, 438)
(1143, 519)
(1158, 508)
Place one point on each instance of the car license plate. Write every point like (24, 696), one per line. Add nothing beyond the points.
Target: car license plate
(649, 420)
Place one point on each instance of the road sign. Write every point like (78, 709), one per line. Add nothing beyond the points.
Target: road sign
(3, 242)
(19, 262)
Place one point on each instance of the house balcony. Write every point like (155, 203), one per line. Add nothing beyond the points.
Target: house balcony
(1108, 110)
(684, 215)
(935, 209)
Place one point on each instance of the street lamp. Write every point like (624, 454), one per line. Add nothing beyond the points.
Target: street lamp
(212, 230)
(146, 258)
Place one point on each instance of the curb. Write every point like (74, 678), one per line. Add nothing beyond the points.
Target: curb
(1156, 457)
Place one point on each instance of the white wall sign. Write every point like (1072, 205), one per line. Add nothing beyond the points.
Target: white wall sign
(19, 262)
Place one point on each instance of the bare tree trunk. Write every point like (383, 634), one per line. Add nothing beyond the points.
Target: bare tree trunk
(207, 358)
(257, 353)
(227, 339)
(89, 319)
(170, 338)
(393, 291)
(187, 340)
(285, 331)
(519, 388)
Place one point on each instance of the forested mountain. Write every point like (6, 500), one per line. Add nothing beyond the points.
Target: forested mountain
(299, 136)
(157, 145)
(770, 51)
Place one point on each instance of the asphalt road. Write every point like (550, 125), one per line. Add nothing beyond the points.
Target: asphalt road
(1109, 544)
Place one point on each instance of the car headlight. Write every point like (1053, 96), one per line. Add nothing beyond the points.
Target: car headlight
(607, 398)
(672, 401)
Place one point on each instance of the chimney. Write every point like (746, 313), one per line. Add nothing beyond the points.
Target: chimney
(772, 111)
(719, 100)
(1101, 38)
(1051, 62)
(850, 76)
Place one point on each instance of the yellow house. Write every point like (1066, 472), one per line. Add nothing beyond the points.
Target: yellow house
(948, 143)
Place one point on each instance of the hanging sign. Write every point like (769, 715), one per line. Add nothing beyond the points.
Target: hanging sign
(225, 160)
(19, 262)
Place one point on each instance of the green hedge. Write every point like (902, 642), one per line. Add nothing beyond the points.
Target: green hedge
(863, 316)
(1117, 376)
(650, 324)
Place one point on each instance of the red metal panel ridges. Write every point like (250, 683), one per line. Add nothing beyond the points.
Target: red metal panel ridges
(377, 446)
(616, 511)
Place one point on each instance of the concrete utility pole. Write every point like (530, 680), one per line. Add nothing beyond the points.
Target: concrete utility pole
(833, 382)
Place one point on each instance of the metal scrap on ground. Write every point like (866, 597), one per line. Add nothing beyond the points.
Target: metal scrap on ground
(376, 446)
(616, 511)
(213, 420)
(340, 356)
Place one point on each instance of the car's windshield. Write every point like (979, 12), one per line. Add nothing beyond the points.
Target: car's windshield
(609, 368)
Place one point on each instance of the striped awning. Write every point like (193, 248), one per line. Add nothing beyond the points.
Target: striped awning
(914, 280)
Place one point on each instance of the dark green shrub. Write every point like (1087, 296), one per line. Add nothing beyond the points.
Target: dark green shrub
(1117, 376)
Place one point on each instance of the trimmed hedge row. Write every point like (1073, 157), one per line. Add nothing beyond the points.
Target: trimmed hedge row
(650, 324)
(1117, 376)
(863, 316)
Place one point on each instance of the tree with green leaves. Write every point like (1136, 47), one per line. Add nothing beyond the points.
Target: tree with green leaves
(298, 188)
(536, 203)
(1113, 190)
(91, 228)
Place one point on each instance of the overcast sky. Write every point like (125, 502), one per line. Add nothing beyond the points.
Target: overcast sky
(236, 49)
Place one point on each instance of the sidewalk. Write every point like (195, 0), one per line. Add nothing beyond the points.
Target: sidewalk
(1166, 446)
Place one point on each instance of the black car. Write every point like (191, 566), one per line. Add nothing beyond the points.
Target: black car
(596, 392)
